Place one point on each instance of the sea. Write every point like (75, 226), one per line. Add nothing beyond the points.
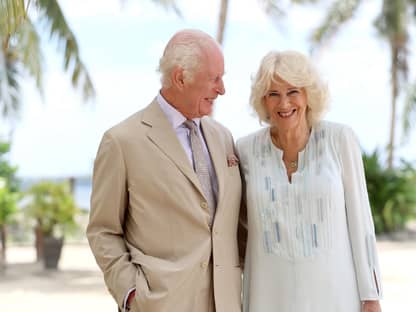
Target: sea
(82, 193)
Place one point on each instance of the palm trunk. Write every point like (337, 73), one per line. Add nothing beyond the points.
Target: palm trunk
(222, 21)
(3, 247)
(72, 181)
(5, 43)
(394, 93)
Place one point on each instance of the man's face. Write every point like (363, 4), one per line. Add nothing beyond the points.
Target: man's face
(206, 85)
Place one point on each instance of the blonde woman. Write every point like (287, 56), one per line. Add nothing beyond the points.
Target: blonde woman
(311, 243)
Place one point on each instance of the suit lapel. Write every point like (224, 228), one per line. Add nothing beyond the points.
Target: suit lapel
(218, 155)
(164, 137)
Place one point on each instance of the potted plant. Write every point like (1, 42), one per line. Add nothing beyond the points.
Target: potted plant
(53, 208)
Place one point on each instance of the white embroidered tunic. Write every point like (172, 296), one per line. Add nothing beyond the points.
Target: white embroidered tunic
(311, 243)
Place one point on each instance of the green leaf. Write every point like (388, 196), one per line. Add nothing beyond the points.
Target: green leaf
(409, 111)
(169, 4)
(29, 50)
(339, 13)
(9, 84)
(272, 8)
(52, 206)
(12, 14)
(391, 193)
(8, 206)
(51, 13)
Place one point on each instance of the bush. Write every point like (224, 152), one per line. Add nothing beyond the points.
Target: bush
(53, 207)
(8, 202)
(8, 197)
(392, 193)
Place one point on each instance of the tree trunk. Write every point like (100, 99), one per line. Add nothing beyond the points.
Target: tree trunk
(394, 93)
(3, 247)
(39, 244)
(222, 20)
(72, 181)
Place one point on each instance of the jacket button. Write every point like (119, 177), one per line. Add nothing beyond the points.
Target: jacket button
(204, 205)
(204, 265)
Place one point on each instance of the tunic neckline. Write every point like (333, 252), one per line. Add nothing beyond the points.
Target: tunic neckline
(301, 155)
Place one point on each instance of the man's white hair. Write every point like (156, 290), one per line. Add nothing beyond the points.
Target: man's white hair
(186, 50)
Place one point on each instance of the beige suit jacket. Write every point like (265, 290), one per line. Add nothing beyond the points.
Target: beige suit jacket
(149, 223)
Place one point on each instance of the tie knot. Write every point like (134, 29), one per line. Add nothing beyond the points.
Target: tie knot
(190, 124)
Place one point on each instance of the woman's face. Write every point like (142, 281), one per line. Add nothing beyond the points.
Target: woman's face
(286, 105)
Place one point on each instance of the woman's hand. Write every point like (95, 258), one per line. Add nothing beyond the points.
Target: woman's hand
(371, 306)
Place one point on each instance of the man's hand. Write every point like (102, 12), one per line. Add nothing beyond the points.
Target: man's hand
(130, 299)
(371, 306)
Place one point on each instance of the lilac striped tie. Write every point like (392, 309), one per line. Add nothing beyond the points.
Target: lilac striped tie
(201, 166)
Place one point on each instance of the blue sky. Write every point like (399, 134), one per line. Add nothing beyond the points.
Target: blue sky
(121, 46)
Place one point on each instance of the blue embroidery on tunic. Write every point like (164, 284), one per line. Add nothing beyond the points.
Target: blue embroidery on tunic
(294, 217)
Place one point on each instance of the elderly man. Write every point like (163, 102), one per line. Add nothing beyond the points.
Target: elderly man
(166, 193)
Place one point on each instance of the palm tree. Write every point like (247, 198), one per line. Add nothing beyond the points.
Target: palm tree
(21, 54)
(392, 24)
(222, 19)
(274, 8)
(409, 112)
(20, 50)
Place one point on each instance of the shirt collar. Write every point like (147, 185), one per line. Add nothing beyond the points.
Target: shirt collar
(175, 117)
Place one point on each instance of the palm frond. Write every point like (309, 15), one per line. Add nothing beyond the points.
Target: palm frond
(12, 13)
(30, 54)
(409, 112)
(272, 8)
(392, 24)
(339, 13)
(9, 85)
(393, 19)
(51, 12)
(169, 4)
(304, 1)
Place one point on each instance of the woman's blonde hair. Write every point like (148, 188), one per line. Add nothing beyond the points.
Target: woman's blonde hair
(296, 69)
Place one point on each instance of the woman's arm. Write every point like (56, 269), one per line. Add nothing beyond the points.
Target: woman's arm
(360, 222)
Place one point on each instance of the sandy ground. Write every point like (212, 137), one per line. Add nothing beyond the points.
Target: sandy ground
(78, 285)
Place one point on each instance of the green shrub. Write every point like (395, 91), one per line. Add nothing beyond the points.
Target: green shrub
(53, 207)
(9, 196)
(392, 193)
(8, 202)
(7, 171)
